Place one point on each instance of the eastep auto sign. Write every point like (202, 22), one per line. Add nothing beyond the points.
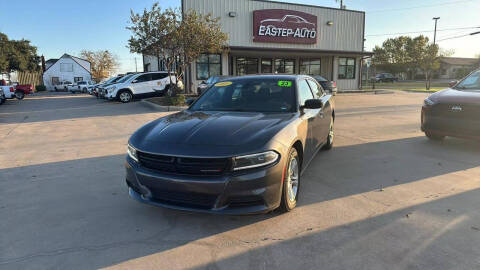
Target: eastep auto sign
(284, 26)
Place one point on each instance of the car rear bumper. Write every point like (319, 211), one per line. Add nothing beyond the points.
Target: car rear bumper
(257, 191)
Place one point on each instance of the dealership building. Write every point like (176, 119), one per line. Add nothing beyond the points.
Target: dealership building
(270, 37)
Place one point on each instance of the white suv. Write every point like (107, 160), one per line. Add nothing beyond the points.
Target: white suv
(140, 84)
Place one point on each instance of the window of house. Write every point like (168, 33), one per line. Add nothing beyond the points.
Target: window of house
(66, 67)
(55, 80)
(267, 66)
(209, 65)
(310, 66)
(247, 66)
(77, 79)
(285, 66)
(346, 68)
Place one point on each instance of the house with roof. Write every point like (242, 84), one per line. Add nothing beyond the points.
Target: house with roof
(455, 67)
(67, 68)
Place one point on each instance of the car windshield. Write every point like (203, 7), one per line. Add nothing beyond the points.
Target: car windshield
(249, 95)
(111, 80)
(82, 83)
(125, 78)
(472, 82)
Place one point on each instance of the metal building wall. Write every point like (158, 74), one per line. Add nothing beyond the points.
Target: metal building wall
(346, 33)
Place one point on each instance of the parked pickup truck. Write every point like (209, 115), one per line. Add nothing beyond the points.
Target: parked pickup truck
(21, 90)
(17, 91)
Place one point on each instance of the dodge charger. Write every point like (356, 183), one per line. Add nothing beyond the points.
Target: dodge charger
(240, 148)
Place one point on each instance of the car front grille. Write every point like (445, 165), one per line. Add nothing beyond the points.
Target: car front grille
(184, 199)
(456, 111)
(183, 165)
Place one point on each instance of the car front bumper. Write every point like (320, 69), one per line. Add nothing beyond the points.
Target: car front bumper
(442, 125)
(252, 192)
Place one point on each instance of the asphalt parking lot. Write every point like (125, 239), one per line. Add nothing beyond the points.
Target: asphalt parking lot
(384, 198)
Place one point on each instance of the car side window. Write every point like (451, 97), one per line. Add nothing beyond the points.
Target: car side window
(316, 89)
(158, 76)
(304, 92)
(143, 78)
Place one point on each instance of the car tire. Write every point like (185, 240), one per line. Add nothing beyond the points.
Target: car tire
(2, 100)
(291, 182)
(434, 137)
(125, 96)
(330, 136)
(19, 95)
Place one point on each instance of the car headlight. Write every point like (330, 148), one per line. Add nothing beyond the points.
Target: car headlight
(428, 102)
(255, 160)
(132, 152)
(110, 90)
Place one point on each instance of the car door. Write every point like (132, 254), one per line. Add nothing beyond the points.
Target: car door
(308, 116)
(322, 121)
(141, 84)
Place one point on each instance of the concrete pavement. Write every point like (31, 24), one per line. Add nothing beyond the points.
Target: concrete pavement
(384, 198)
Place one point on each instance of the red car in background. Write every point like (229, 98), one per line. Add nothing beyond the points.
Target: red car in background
(16, 90)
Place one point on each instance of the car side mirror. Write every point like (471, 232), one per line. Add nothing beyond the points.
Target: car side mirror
(203, 82)
(189, 101)
(313, 104)
(452, 83)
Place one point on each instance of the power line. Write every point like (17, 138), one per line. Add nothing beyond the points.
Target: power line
(425, 31)
(471, 34)
(423, 6)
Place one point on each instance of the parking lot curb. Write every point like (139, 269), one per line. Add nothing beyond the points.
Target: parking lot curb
(163, 108)
(375, 92)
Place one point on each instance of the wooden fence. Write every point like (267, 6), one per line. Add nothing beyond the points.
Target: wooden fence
(34, 78)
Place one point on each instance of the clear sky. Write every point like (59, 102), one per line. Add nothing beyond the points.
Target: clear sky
(58, 27)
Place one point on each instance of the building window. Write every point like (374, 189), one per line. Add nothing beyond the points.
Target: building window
(77, 79)
(346, 68)
(310, 66)
(209, 65)
(66, 67)
(284, 66)
(267, 66)
(55, 80)
(247, 66)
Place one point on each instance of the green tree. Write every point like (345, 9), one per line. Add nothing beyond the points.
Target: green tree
(102, 63)
(176, 40)
(393, 56)
(17, 55)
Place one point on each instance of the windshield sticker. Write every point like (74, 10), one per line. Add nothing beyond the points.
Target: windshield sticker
(285, 83)
(222, 84)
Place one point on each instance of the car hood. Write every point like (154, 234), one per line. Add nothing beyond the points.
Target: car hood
(455, 96)
(212, 130)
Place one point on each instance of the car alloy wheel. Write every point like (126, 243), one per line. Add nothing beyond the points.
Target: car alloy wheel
(291, 182)
(125, 97)
(330, 138)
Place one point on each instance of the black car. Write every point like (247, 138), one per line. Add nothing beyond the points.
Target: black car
(385, 77)
(2, 97)
(454, 111)
(329, 86)
(209, 82)
(240, 148)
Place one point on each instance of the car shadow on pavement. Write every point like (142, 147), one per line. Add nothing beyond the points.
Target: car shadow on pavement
(441, 234)
(76, 214)
(61, 107)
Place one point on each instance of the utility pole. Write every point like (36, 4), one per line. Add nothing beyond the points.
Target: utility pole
(136, 70)
(429, 75)
(435, 32)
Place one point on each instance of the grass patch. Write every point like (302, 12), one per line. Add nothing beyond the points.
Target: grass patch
(178, 100)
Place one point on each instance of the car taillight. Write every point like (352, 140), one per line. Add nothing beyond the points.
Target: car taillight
(334, 84)
(12, 90)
